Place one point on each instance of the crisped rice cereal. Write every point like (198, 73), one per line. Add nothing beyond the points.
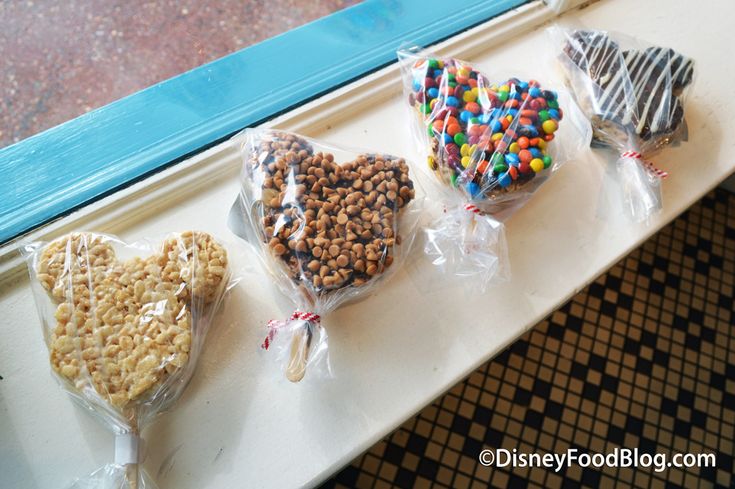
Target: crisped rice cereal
(123, 327)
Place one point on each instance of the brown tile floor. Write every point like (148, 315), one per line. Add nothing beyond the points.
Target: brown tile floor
(61, 58)
(642, 358)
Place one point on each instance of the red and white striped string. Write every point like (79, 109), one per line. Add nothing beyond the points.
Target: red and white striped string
(649, 166)
(275, 324)
(472, 208)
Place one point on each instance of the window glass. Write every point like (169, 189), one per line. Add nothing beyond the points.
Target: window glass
(63, 58)
(99, 94)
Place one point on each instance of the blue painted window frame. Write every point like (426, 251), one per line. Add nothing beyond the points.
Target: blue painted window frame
(59, 170)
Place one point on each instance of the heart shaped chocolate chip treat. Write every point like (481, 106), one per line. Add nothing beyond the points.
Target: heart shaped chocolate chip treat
(332, 225)
(124, 327)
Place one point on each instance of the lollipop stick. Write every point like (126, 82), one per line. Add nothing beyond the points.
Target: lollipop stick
(131, 470)
(131, 474)
(300, 344)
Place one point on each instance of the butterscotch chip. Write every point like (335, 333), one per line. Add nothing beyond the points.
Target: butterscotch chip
(340, 211)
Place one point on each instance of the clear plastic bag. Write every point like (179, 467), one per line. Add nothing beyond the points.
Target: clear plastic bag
(330, 225)
(490, 148)
(633, 95)
(124, 325)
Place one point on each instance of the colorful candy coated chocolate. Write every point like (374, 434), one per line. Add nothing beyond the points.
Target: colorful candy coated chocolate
(549, 126)
(473, 189)
(491, 135)
(537, 165)
(504, 179)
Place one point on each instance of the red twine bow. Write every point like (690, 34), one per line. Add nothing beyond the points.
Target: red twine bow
(647, 164)
(472, 208)
(275, 324)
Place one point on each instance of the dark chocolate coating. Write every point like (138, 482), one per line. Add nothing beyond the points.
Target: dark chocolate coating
(635, 90)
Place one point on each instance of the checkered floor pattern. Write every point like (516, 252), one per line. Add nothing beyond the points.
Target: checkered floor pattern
(644, 357)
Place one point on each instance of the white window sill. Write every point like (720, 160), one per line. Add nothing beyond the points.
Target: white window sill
(238, 427)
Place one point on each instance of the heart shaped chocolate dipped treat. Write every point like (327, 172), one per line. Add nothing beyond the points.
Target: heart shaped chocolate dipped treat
(633, 96)
(632, 92)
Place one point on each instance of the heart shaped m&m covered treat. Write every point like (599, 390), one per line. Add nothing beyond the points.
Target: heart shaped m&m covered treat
(490, 144)
(487, 138)
(327, 221)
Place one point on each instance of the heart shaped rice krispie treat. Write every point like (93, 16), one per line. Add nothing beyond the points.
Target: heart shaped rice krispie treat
(124, 327)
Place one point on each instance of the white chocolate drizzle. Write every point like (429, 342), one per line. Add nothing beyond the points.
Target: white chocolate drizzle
(637, 88)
